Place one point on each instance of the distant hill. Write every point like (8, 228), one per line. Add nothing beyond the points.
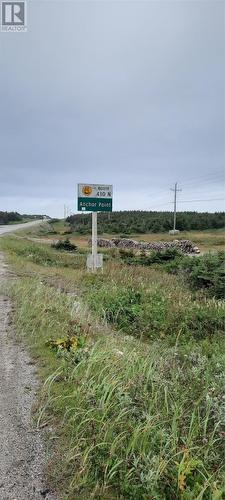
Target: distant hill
(142, 222)
(11, 217)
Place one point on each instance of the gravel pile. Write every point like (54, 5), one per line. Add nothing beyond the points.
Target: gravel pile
(185, 246)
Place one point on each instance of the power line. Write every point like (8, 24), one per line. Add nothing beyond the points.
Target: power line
(205, 180)
(155, 207)
(214, 183)
(202, 181)
(209, 199)
(208, 176)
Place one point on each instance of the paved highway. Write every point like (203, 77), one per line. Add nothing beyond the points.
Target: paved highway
(15, 227)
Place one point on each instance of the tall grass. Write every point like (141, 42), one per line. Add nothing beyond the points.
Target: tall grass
(41, 254)
(134, 420)
(137, 413)
(136, 426)
(154, 309)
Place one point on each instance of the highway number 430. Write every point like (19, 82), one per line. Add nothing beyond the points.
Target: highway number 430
(101, 194)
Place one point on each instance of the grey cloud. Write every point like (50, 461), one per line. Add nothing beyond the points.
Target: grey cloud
(130, 93)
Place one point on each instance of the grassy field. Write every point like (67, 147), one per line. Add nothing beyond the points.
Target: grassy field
(206, 240)
(133, 368)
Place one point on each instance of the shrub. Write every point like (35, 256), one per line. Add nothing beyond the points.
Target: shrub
(206, 272)
(65, 245)
(154, 257)
(68, 231)
(53, 221)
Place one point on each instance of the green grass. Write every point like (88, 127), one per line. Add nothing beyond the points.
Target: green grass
(130, 418)
(154, 313)
(41, 254)
(138, 409)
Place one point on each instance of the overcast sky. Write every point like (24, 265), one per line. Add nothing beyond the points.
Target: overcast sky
(129, 93)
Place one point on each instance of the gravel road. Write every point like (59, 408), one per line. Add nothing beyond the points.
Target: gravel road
(22, 452)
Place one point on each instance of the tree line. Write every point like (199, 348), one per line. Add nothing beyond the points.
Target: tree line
(136, 221)
(9, 217)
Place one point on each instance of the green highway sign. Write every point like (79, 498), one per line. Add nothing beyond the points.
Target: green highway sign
(95, 205)
(95, 198)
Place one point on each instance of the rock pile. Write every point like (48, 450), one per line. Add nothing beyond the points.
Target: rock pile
(185, 246)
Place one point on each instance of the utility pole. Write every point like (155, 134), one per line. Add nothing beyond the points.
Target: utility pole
(175, 189)
(67, 211)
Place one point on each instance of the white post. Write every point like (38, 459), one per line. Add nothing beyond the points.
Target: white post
(94, 241)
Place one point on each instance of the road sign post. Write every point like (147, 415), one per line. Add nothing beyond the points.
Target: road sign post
(94, 241)
(94, 198)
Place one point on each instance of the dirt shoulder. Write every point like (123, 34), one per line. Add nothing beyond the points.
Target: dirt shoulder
(22, 453)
